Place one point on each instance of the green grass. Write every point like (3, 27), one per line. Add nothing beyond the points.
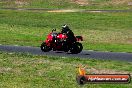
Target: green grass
(101, 31)
(29, 71)
(67, 4)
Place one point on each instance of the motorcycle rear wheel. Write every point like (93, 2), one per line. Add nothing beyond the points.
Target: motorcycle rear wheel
(76, 48)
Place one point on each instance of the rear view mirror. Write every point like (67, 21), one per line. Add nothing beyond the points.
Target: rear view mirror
(54, 29)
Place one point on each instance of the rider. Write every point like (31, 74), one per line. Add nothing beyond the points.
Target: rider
(66, 30)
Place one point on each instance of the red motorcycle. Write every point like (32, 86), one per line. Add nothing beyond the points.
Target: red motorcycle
(60, 42)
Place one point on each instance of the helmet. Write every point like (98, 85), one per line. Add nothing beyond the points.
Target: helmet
(65, 29)
(65, 26)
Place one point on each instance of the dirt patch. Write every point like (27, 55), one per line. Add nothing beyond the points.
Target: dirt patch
(3, 69)
(73, 10)
(130, 3)
(80, 2)
(10, 70)
(117, 2)
(21, 3)
(105, 71)
(60, 11)
(129, 40)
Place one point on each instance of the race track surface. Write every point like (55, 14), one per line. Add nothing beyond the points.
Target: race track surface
(84, 54)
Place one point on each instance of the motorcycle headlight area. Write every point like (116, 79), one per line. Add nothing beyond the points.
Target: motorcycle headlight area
(54, 34)
(61, 40)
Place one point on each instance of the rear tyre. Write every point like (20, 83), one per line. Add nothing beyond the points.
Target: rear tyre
(44, 47)
(76, 48)
(80, 47)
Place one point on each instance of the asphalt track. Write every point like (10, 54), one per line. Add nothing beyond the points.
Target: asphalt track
(84, 54)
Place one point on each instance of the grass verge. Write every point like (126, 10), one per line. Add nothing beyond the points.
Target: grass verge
(28, 71)
(68, 4)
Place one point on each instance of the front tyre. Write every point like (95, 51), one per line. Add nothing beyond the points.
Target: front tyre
(44, 47)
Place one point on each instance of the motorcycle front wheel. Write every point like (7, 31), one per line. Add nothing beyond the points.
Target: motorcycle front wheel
(44, 47)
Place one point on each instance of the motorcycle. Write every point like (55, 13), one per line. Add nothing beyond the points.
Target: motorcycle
(60, 42)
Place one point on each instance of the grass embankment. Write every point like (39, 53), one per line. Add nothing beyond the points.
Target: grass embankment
(27, 71)
(101, 31)
(67, 4)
